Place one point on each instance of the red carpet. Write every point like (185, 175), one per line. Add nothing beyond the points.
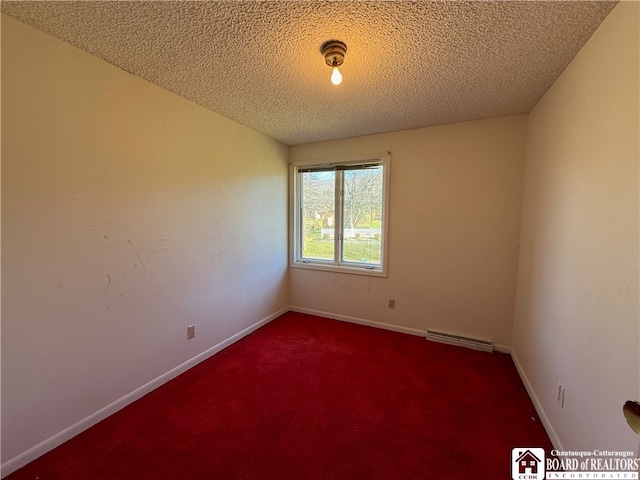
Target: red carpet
(311, 398)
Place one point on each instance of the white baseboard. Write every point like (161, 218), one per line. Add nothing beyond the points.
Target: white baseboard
(52, 442)
(59, 438)
(501, 348)
(359, 321)
(386, 326)
(546, 423)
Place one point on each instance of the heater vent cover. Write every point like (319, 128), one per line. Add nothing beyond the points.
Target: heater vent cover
(459, 340)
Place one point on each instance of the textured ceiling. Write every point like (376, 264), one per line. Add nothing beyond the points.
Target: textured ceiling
(408, 64)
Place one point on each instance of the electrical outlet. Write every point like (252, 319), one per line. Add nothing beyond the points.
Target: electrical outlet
(560, 397)
(191, 332)
(392, 303)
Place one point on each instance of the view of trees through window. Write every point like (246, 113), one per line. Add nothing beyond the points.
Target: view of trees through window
(361, 206)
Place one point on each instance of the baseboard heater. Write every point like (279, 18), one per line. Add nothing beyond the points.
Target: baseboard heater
(459, 340)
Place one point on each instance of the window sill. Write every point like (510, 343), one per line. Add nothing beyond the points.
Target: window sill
(355, 270)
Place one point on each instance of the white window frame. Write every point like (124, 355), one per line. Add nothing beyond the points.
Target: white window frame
(335, 265)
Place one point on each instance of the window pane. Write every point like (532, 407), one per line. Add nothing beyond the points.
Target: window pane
(362, 217)
(318, 215)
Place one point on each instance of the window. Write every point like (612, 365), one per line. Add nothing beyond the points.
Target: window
(340, 214)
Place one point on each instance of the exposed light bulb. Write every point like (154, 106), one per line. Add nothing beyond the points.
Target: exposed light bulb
(336, 76)
(333, 52)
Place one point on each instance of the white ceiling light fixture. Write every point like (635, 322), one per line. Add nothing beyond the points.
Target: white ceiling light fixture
(334, 52)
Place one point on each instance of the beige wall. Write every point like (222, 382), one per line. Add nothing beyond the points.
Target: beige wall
(453, 231)
(576, 316)
(128, 213)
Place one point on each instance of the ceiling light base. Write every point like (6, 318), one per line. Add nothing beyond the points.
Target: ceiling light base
(334, 52)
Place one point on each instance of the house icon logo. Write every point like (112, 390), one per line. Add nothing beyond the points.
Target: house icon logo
(527, 463)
